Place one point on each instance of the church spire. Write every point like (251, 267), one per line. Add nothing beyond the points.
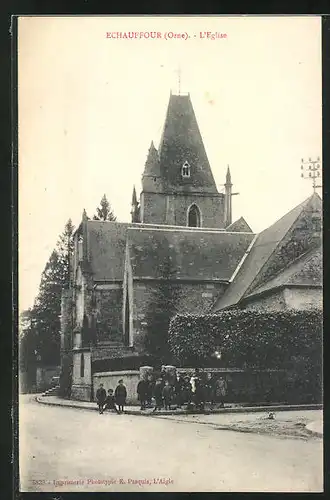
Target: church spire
(135, 208)
(134, 199)
(151, 175)
(181, 142)
(228, 177)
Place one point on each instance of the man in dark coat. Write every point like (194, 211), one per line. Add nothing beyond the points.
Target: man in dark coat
(179, 390)
(186, 391)
(120, 395)
(110, 402)
(150, 390)
(100, 398)
(158, 394)
(142, 391)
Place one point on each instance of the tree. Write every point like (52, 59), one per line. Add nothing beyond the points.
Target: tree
(65, 247)
(158, 317)
(45, 314)
(27, 346)
(104, 211)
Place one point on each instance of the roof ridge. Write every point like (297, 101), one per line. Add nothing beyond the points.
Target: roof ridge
(180, 229)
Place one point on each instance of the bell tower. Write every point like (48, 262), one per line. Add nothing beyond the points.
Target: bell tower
(178, 187)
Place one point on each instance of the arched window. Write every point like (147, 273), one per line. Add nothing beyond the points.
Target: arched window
(82, 365)
(194, 216)
(185, 170)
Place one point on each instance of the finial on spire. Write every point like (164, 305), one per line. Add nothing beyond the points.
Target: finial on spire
(228, 176)
(134, 199)
(179, 79)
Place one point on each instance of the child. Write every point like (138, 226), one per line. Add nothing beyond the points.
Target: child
(121, 395)
(167, 395)
(100, 398)
(158, 394)
(110, 402)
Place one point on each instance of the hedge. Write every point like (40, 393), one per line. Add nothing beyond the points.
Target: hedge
(248, 339)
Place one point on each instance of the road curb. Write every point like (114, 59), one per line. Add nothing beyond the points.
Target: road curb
(243, 409)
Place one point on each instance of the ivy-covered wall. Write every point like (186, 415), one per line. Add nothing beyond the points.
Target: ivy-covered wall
(258, 339)
(289, 340)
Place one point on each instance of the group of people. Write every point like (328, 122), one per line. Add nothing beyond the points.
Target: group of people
(112, 401)
(167, 391)
(192, 391)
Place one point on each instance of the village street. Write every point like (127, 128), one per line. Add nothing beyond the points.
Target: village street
(114, 452)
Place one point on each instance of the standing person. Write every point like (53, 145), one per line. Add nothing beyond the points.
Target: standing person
(100, 398)
(221, 391)
(211, 389)
(167, 395)
(158, 394)
(121, 395)
(179, 390)
(199, 393)
(110, 402)
(187, 391)
(142, 391)
(150, 387)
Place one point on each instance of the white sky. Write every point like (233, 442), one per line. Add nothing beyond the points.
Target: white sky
(89, 107)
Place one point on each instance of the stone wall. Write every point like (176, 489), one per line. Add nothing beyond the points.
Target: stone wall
(81, 385)
(303, 298)
(110, 381)
(173, 209)
(289, 298)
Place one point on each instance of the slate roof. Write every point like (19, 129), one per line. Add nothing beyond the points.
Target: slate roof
(107, 243)
(239, 225)
(106, 249)
(182, 141)
(305, 271)
(193, 255)
(263, 247)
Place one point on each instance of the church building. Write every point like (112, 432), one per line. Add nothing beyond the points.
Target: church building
(181, 231)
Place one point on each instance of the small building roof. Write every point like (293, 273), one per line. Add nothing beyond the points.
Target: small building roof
(239, 225)
(305, 271)
(262, 249)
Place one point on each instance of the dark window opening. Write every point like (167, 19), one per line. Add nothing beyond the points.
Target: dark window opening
(82, 366)
(185, 171)
(127, 314)
(194, 218)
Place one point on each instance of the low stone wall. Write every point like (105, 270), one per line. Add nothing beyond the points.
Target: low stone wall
(110, 381)
(44, 377)
(81, 392)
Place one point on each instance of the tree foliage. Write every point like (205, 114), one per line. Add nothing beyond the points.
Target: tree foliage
(104, 211)
(160, 312)
(40, 338)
